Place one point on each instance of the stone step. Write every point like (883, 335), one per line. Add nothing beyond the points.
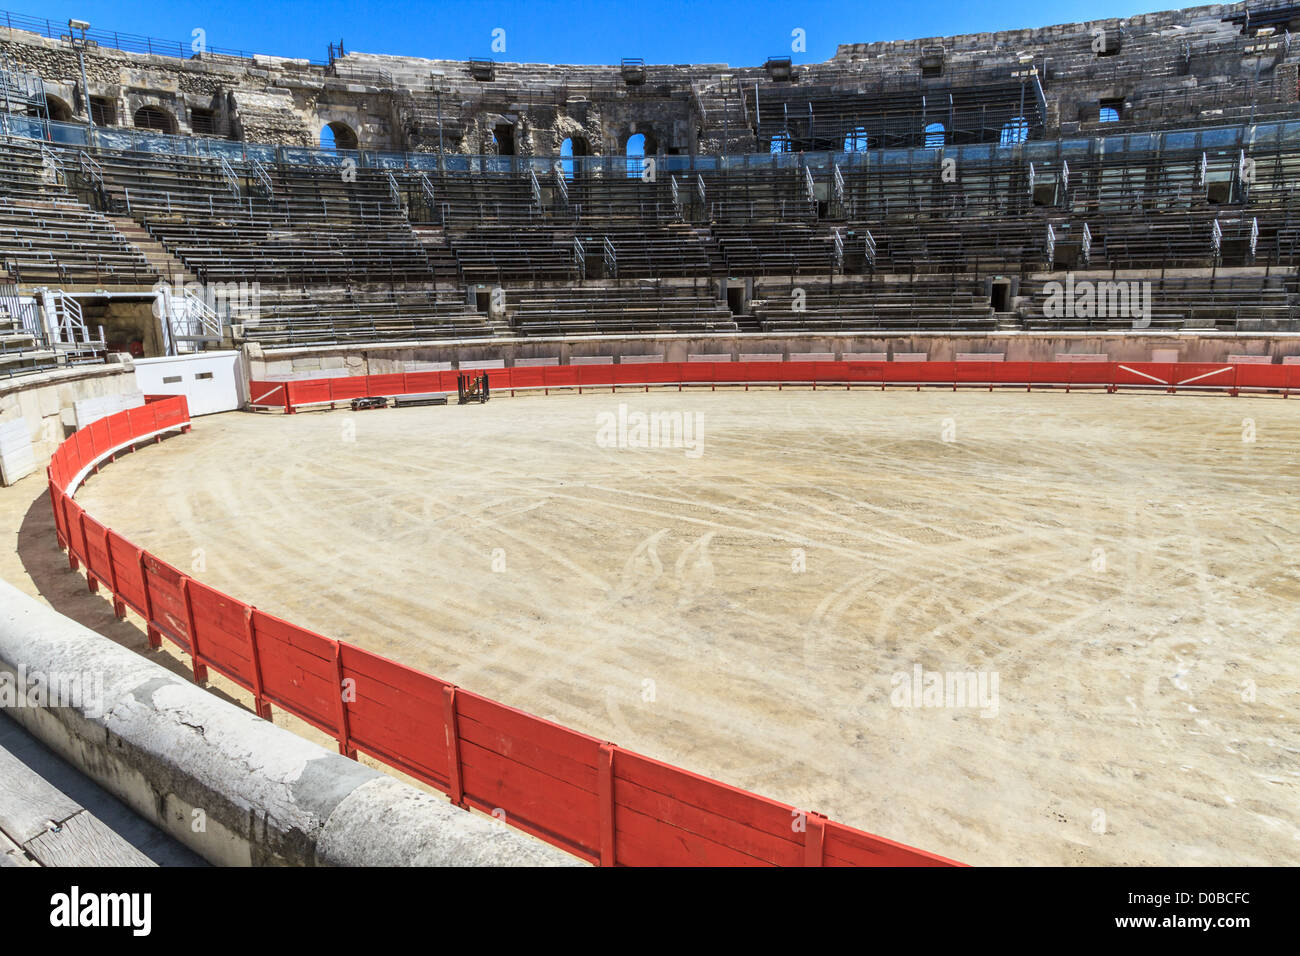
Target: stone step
(167, 265)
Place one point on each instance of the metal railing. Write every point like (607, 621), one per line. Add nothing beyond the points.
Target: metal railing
(1095, 142)
(263, 177)
(228, 172)
(126, 42)
(71, 335)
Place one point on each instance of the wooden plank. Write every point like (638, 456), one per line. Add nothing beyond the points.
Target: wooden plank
(16, 457)
(711, 796)
(11, 854)
(644, 841)
(708, 826)
(495, 782)
(561, 741)
(845, 846)
(84, 840)
(28, 803)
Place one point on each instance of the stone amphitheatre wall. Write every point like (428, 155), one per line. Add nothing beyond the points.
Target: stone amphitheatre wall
(394, 102)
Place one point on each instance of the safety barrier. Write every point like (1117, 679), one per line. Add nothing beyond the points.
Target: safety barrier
(594, 799)
(1112, 376)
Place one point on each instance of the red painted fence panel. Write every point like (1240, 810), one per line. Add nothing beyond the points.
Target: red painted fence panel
(167, 612)
(845, 846)
(398, 715)
(221, 635)
(97, 560)
(541, 774)
(129, 573)
(298, 671)
(665, 816)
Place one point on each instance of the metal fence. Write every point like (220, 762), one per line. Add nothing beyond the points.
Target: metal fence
(1258, 135)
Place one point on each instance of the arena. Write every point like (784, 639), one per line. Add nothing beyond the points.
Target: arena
(1118, 561)
(882, 457)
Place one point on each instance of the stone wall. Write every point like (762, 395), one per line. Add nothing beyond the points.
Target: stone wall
(45, 401)
(392, 102)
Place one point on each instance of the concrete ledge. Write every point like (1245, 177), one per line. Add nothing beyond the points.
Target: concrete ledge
(180, 756)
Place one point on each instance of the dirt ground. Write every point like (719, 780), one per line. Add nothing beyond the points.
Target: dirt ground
(1117, 574)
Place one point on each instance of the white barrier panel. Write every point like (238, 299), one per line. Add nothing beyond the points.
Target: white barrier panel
(208, 380)
(17, 459)
(87, 411)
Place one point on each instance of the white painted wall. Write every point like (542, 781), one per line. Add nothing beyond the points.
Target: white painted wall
(211, 381)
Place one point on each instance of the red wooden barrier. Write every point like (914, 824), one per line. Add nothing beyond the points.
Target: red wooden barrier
(218, 624)
(398, 715)
(542, 775)
(297, 670)
(1110, 375)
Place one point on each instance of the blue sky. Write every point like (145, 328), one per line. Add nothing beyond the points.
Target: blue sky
(737, 32)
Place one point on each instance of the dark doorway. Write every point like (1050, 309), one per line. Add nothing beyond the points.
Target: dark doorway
(1001, 295)
(736, 299)
(505, 137)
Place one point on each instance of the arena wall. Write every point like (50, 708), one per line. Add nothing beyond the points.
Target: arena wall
(45, 400)
(378, 359)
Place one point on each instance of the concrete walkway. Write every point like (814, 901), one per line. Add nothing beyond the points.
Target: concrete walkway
(53, 815)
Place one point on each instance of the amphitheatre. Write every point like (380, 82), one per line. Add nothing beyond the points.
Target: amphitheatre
(883, 461)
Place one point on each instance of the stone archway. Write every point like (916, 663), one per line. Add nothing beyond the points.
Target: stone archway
(338, 135)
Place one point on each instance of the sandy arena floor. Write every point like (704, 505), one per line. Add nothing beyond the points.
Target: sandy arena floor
(1124, 567)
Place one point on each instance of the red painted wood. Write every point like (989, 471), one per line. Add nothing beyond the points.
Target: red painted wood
(196, 654)
(605, 794)
(451, 741)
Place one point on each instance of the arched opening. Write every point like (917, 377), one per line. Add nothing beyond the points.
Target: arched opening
(574, 146)
(338, 135)
(857, 141)
(649, 144)
(1108, 114)
(1014, 132)
(59, 111)
(155, 118)
(503, 134)
(935, 136)
(636, 152)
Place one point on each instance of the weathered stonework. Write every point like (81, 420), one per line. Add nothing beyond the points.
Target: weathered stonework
(1171, 67)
